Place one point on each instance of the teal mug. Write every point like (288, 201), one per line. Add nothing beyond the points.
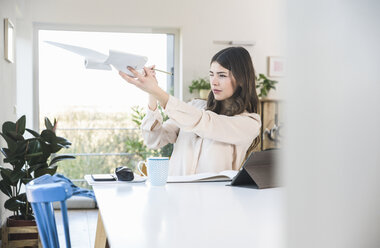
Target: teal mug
(157, 168)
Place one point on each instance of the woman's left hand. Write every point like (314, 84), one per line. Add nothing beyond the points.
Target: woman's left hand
(147, 82)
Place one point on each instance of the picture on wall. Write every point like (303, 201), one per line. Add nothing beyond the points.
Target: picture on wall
(9, 29)
(276, 66)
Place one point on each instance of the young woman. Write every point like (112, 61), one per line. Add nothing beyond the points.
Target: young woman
(208, 136)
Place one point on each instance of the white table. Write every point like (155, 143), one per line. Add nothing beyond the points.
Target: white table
(192, 215)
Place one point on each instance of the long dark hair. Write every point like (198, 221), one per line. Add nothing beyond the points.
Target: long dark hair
(239, 62)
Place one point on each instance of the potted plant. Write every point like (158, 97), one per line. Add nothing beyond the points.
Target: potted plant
(202, 85)
(264, 85)
(29, 158)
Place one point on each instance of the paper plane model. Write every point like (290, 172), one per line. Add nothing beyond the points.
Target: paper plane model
(99, 61)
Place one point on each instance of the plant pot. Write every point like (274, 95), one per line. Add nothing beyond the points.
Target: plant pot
(24, 235)
(203, 94)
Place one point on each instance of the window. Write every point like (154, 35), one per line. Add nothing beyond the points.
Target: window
(94, 107)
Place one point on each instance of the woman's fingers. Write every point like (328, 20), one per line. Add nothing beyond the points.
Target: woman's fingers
(147, 71)
(134, 72)
(128, 78)
(151, 69)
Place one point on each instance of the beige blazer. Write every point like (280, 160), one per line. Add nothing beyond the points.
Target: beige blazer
(203, 140)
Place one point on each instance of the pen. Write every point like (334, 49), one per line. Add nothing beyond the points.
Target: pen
(163, 71)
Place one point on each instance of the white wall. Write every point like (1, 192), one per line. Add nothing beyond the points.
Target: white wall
(200, 22)
(332, 156)
(8, 87)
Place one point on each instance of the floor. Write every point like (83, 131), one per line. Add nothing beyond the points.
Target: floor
(82, 225)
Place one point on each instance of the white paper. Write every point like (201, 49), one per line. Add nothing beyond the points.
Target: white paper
(121, 60)
(99, 61)
(96, 64)
(227, 175)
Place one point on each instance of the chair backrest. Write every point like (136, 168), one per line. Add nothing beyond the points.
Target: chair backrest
(41, 193)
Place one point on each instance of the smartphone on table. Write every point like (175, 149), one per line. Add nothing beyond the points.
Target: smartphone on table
(103, 177)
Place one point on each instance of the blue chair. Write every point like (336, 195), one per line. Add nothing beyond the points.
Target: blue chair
(41, 193)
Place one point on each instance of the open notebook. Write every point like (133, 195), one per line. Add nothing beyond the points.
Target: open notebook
(223, 176)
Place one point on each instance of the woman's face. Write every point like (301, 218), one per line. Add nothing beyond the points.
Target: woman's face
(223, 83)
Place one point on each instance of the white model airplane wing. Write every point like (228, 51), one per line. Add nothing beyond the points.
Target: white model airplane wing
(120, 60)
(93, 59)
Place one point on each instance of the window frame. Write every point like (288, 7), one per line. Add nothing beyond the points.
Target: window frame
(177, 84)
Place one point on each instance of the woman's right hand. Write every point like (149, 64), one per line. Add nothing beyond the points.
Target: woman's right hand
(146, 82)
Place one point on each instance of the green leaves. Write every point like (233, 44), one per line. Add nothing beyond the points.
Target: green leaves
(63, 142)
(164, 116)
(48, 136)
(12, 204)
(60, 158)
(15, 136)
(12, 177)
(34, 133)
(137, 115)
(43, 171)
(265, 85)
(55, 143)
(34, 146)
(17, 175)
(50, 126)
(15, 203)
(12, 132)
(37, 166)
(29, 159)
(5, 188)
(6, 175)
(12, 144)
(8, 126)
(20, 125)
(37, 154)
(26, 180)
(199, 84)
